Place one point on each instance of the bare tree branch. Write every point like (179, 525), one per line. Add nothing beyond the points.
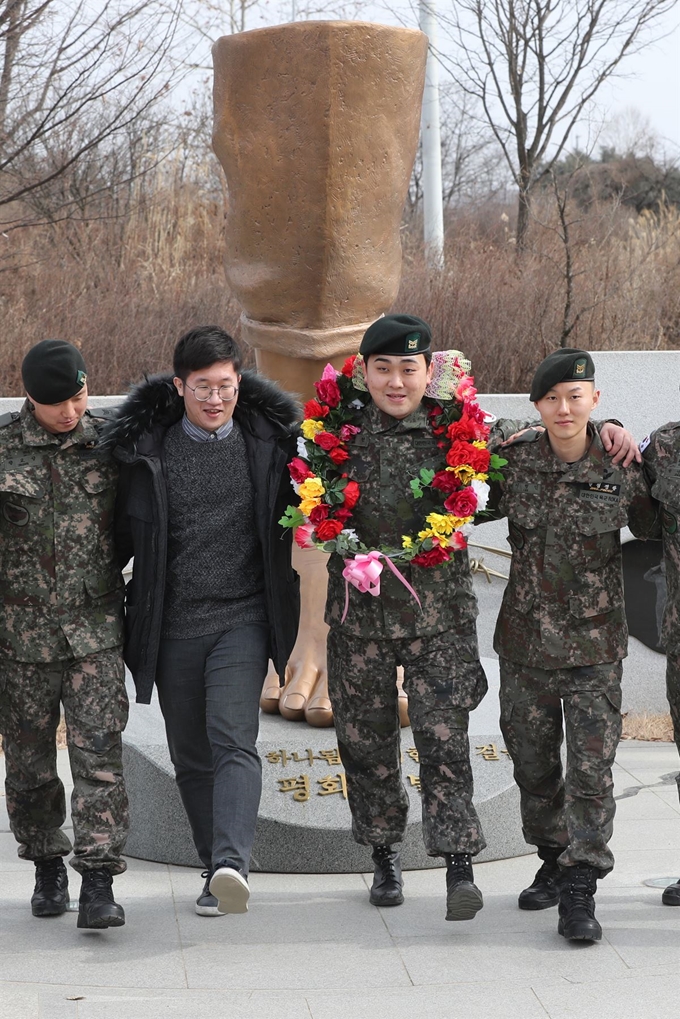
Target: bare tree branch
(74, 77)
(535, 66)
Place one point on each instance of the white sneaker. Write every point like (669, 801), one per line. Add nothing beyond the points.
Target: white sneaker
(230, 889)
(207, 904)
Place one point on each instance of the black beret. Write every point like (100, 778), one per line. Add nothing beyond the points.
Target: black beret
(564, 365)
(53, 371)
(397, 334)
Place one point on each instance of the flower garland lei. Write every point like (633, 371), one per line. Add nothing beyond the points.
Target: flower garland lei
(328, 496)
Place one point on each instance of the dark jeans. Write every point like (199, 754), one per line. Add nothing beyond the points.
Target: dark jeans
(209, 690)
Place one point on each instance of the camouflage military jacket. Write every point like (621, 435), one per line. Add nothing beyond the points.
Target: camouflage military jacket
(62, 592)
(661, 451)
(563, 606)
(386, 454)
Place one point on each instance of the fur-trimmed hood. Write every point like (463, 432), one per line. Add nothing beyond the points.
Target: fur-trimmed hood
(155, 404)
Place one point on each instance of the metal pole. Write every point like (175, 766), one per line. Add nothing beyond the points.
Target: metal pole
(293, 10)
(433, 209)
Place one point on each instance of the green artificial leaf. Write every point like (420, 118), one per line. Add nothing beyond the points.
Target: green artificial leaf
(334, 497)
(416, 488)
(292, 517)
(497, 461)
(426, 476)
(496, 476)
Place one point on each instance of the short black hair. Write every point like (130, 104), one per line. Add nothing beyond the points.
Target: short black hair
(203, 346)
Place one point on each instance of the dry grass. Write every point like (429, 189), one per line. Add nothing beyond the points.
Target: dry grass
(653, 728)
(125, 288)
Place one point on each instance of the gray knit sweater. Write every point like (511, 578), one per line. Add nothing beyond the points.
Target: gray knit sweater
(215, 576)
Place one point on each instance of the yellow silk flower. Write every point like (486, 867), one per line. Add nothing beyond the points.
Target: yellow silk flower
(311, 488)
(311, 427)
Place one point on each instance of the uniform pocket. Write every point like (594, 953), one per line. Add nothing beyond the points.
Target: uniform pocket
(591, 604)
(99, 479)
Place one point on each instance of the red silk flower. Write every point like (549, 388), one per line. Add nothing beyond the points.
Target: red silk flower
(326, 440)
(434, 557)
(465, 453)
(299, 471)
(314, 409)
(351, 493)
(462, 503)
(467, 428)
(338, 455)
(319, 513)
(446, 481)
(328, 391)
(328, 529)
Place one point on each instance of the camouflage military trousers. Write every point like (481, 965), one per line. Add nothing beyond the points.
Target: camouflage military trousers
(92, 691)
(444, 681)
(673, 694)
(576, 810)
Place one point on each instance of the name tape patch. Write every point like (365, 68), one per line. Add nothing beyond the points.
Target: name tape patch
(600, 492)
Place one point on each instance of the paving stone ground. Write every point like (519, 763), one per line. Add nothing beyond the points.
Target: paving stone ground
(312, 947)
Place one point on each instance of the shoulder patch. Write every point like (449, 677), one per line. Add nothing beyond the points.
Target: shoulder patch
(8, 418)
(103, 412)
(645, 442)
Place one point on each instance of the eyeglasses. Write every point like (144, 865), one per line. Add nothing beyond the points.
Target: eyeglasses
(203, 393)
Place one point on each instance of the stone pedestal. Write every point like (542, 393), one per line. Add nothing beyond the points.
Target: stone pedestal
(304, 824)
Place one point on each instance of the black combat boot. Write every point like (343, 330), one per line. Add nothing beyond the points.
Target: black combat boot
(386, 889)
(97, 907)
(50, 897)
(463, 897)
(671, 895)
(544, 890)
(577, 906)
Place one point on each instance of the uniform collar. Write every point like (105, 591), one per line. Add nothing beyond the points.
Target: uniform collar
(376, 421)
(593, 458)
(33, 433)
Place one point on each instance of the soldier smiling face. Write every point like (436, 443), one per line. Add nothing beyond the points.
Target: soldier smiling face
(397, 384)
(565, 411)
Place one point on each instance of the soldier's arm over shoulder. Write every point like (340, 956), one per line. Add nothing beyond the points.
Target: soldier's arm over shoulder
(493, 509)
(661, 451)
(10, 437)
(644, 517)
(503, 428)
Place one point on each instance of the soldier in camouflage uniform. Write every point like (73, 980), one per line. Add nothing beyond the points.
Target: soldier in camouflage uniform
(436, 646)
(661, 452)
(61, 637)
(561, 635)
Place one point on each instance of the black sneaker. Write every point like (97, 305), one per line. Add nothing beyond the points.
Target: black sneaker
(463, 897)
(544, 890)
(50, 897)
(671, 895)
(386, 889)
(97, 907)
(230, 888)
(206, 903)
(577, 906)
